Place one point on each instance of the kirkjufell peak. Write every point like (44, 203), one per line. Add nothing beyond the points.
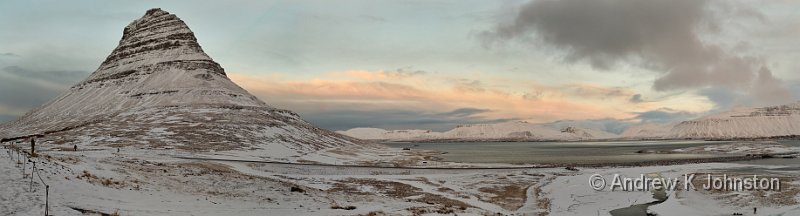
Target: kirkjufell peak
(158, 88)
(159, 36)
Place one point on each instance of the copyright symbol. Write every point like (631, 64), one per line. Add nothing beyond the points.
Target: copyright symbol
(597, 182)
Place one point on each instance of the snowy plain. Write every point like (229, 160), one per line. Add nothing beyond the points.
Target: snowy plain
(138, 181)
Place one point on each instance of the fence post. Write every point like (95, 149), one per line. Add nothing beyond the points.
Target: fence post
(32, 170)
(47, 200)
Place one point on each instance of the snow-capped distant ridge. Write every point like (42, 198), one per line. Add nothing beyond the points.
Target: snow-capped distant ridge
(507, 131)
(738, 123)
(764, 122)
(381, 134)
(160, 77)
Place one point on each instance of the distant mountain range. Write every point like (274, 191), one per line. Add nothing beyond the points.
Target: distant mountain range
(740, 123)
(507, 131)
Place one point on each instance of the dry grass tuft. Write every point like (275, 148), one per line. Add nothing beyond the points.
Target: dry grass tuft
(108, 182)
(389, 188)
(510, 197)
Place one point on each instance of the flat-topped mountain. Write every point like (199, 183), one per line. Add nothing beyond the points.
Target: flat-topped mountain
(771, 121)
(739, 123)
(158, 88)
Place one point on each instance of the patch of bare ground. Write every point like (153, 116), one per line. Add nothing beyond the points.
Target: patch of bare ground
(510, 197)
(342, 152)
(304, 161)
(423, 180)
(414, 158)
(406, 162)
(374, 213)
(786, 196)
(439, 205)
(108, 182)
(202, 168)
(541, 201)
(95, 212)
(388, 188)
(69, 159)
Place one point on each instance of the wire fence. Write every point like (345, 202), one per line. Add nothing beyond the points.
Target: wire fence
(19, 156)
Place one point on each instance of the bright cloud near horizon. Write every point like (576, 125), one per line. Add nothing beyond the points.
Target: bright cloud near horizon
(437, 64)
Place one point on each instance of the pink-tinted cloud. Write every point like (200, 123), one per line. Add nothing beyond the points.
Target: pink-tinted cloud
(374, 90)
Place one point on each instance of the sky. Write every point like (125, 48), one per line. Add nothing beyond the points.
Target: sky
(437, 64)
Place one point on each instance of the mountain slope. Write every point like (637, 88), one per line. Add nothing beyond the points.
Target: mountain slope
(772, 121)
(739, 123)
(158, 88)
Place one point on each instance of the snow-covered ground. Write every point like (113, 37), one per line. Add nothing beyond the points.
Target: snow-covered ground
(138, 181)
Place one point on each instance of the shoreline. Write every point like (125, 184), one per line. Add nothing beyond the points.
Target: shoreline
(667, 162)
(777, 138)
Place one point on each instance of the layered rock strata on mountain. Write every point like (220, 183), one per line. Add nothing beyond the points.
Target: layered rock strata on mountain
(159, 88)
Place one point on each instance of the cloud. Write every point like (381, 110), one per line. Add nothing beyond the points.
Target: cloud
(468, 85)
(396, 74)
(770, 90)
(637, 98)
(439, 94)
(664, 115)
(664, 36)
(62, 77)
(8, 54)
(464, 112)
(22, 89)
(374, 18)
(794, 88)
(7, 118)
(398, 119)
(723, 98)
(585, 90)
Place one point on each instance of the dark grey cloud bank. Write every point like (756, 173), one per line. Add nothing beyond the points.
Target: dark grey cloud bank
(398, 119)
(664, 115)
(8, 54)
(660, 35)
(7, 118)
(637, 98)
(25, 89)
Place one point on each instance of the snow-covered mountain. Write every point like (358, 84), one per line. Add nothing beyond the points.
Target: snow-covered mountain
(381, 134)
(772, 121)
(507, 131)
(739, 123)
(158, 88)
